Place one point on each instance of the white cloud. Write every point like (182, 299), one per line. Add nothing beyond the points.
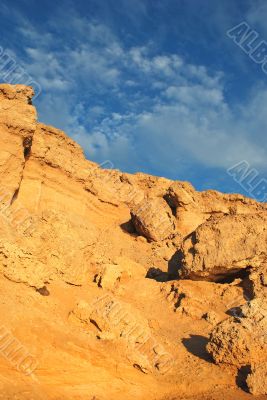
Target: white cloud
(171, 133)
(195, 95)
(156, 110)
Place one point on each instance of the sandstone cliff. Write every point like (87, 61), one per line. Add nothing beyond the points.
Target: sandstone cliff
(93, 262)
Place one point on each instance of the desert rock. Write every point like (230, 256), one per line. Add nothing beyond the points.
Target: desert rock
(153, 219)
(78, 244)
(241, 341)
(224, 247)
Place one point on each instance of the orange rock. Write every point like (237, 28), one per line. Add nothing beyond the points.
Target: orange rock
(66, 222)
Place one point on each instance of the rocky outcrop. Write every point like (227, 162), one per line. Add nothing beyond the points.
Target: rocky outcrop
(78, 242)
(193, 208)
(55, 163)
(241, 341)
(224, 247)
(187, 210)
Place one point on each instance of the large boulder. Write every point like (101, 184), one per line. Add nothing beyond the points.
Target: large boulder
(193, 208)
(241, 340)
(153, 219)
(223, 247)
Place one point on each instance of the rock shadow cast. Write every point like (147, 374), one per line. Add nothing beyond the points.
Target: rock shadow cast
(196, 345)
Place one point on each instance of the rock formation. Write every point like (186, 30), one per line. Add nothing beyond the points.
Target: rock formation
(242, 341)
(225, 246)
(120, 286)
(153, 219)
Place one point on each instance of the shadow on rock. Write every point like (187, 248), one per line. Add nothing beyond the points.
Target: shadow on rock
(196, 345)
(157, 274)
(128, 227)
(242, 377)
(175, 264)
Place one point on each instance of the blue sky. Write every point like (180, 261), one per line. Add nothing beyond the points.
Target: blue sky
(152, 86)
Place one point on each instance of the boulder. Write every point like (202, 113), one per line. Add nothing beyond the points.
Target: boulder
(153, 219)
(224, 247)
(193, 208)
(241, 341)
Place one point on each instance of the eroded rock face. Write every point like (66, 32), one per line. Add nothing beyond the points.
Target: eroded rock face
(17, 127)
(22, 266)
(257, 281)
(109, 314)
(119, 321)
(196, 299)
(223, 247)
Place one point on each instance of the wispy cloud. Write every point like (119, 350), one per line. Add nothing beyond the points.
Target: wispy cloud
(138, 106)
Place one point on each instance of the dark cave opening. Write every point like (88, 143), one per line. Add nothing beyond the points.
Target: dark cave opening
(27, 144)
(240, 274)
